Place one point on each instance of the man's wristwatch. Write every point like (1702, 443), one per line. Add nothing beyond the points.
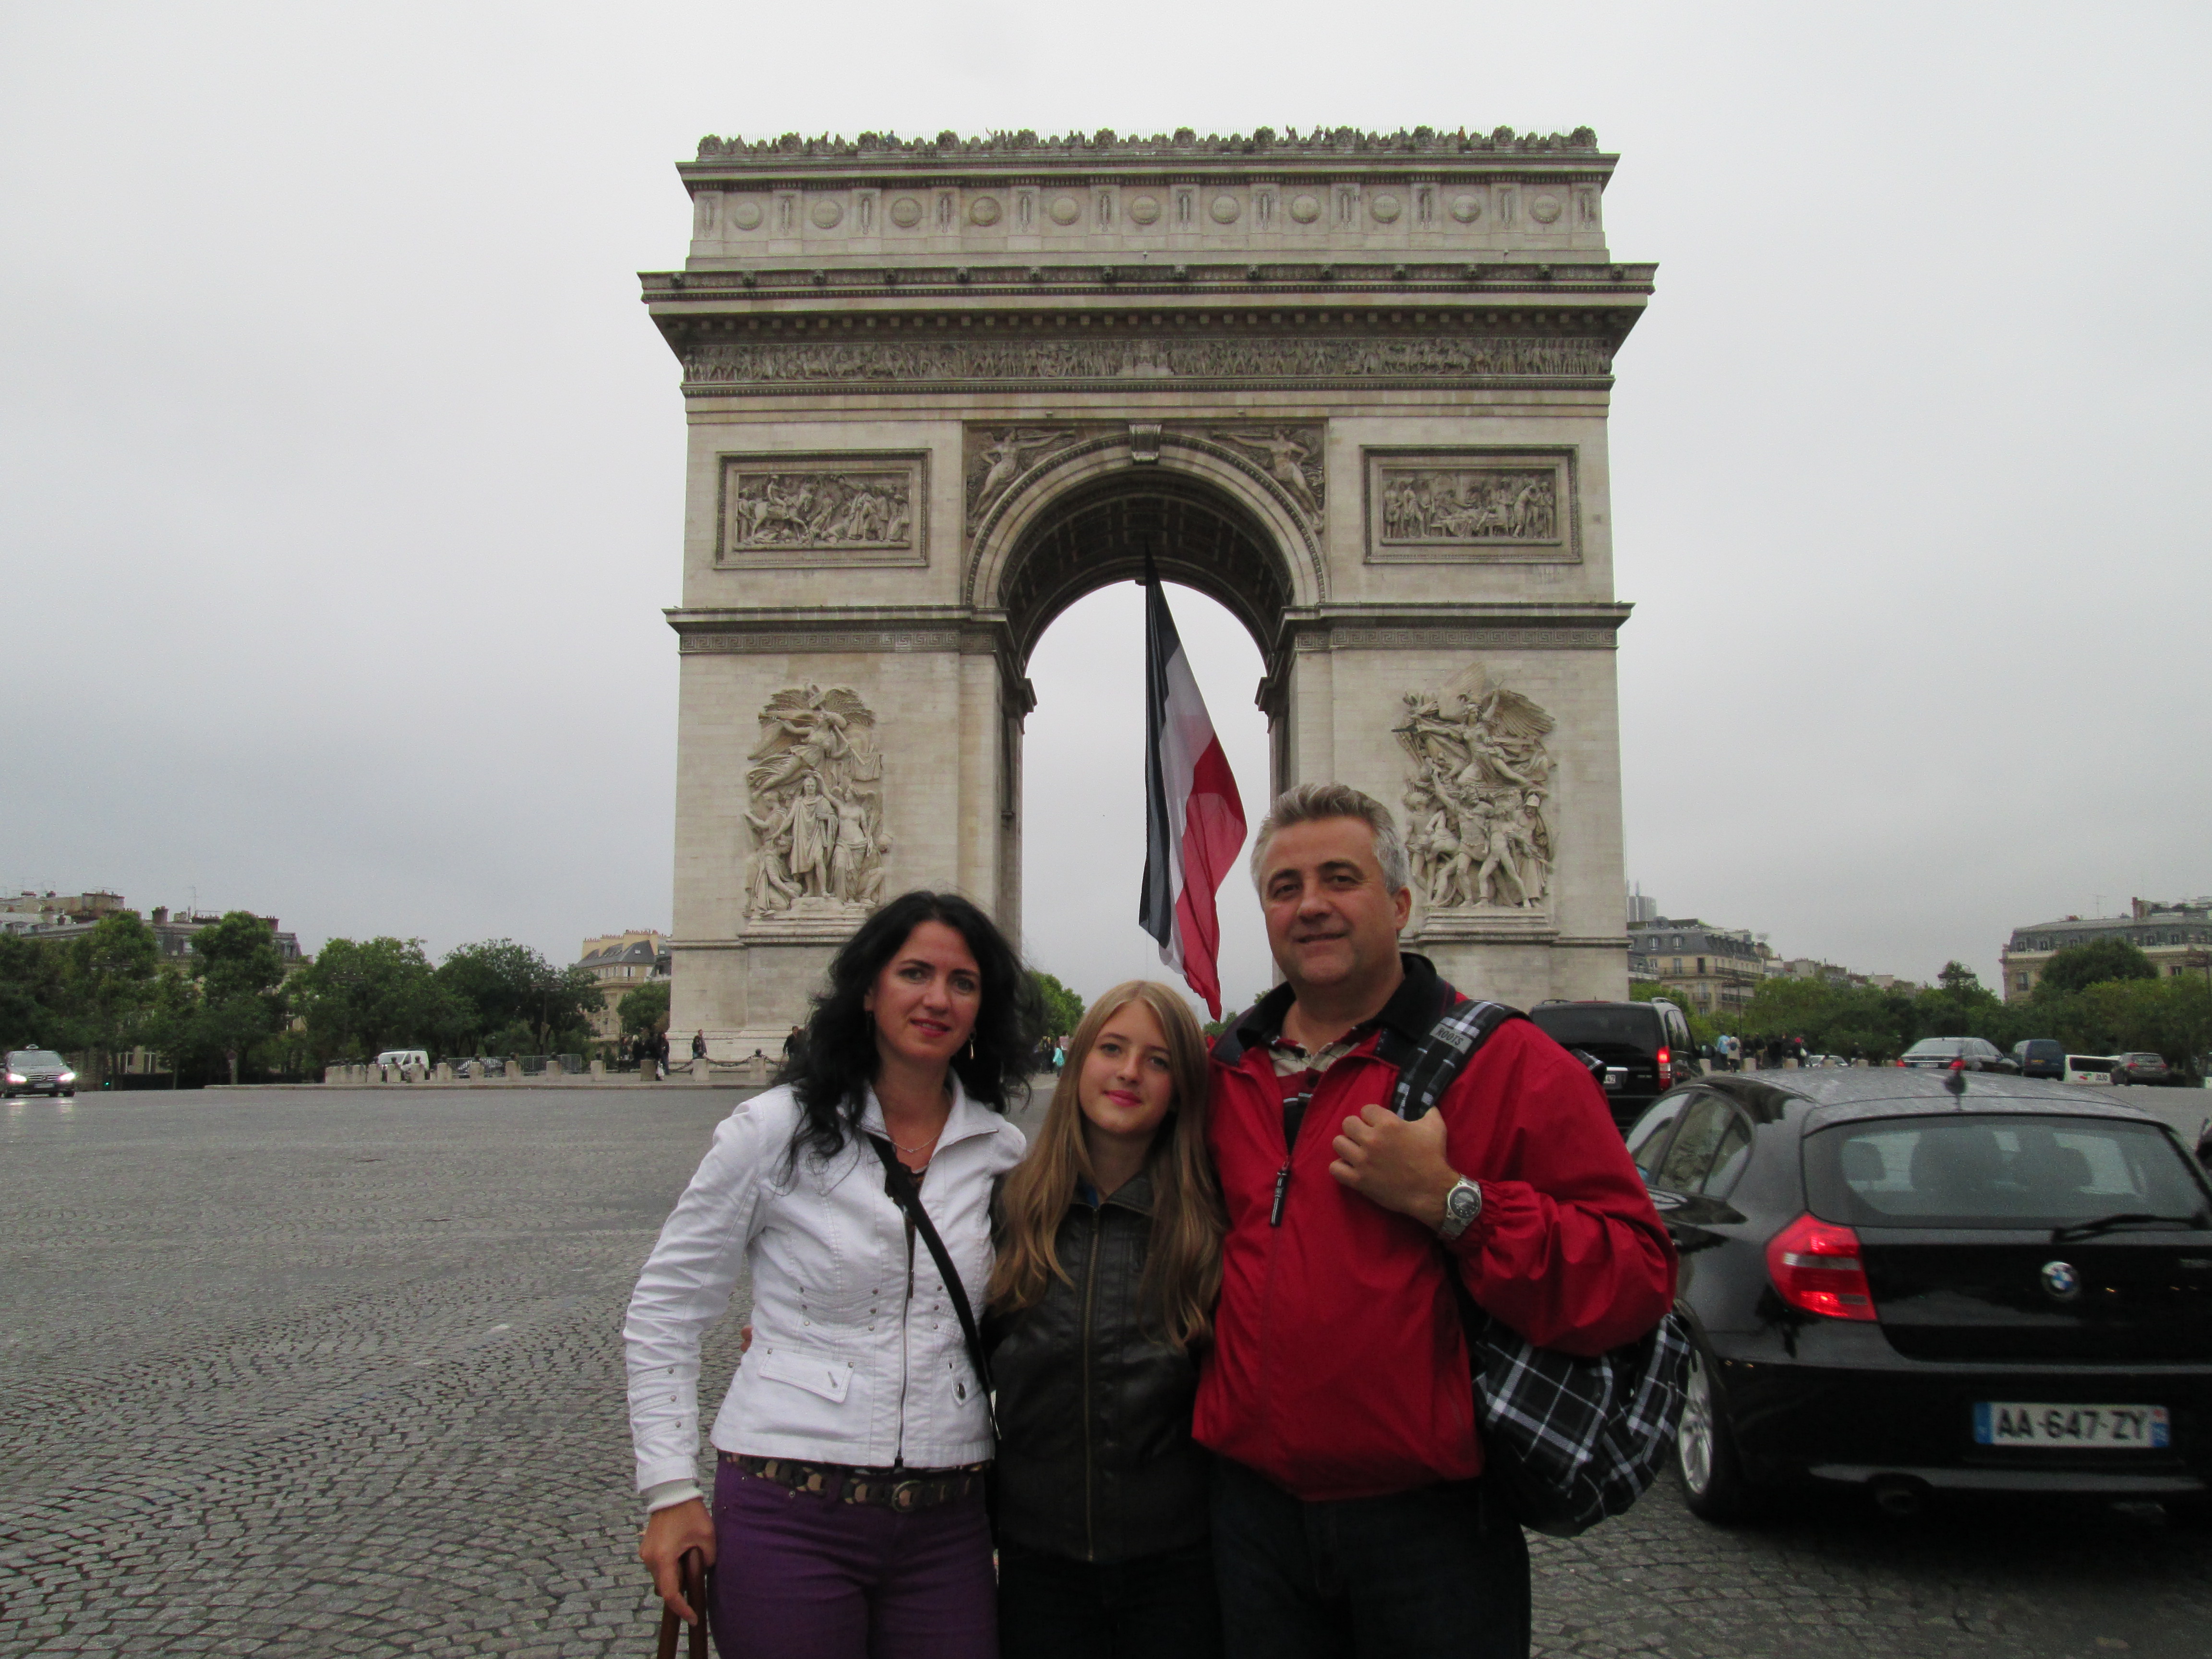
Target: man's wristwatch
(1461, 1204)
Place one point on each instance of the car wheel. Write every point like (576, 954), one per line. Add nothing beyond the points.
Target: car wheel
(1713, 1485)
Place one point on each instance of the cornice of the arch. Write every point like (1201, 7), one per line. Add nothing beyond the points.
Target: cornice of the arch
(1029, 500)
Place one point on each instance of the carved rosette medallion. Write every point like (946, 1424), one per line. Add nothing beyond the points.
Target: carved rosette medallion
(1478, 778)
(814, 818)
(846, 509)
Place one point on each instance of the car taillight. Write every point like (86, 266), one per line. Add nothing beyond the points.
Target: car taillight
(1666, 1068)
(1816, 1265)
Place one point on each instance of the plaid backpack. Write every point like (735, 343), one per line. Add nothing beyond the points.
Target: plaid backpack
(1575, 1440)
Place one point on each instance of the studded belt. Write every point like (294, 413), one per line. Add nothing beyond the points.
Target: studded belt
(888, 1489)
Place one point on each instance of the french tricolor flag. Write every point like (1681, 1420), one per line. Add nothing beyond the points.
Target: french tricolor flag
(1193, 819)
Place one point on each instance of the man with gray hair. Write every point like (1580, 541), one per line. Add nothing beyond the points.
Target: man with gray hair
(1350, 1516)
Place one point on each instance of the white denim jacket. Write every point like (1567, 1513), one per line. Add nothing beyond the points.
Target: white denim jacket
(847, 1364)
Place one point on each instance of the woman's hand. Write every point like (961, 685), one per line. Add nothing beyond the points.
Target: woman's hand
(670, 1535)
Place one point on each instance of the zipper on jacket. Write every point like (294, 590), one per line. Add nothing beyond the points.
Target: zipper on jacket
(1090, 1313)
(1294, 1113)
(906, 1314)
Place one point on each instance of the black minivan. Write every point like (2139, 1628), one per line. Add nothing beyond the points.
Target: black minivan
(2041, 1057)
(1645, 1048)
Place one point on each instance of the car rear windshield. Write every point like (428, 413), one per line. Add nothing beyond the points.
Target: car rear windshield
(1938, 1046)
(2089, 1063)
(1574, 1026)
(1991, 1171)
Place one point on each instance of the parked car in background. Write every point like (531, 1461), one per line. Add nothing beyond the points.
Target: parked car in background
(38, 1072)
(399, 1059)
(1644, 1048)
(2040, 1057)
(2136, 1066)
(1905, 1289)
(1943, 1053)
(2090, 1068)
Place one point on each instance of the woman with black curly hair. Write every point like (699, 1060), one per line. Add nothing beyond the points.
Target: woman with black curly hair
(847, 1517)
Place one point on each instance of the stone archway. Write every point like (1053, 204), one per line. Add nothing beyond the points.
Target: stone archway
(1354, 388)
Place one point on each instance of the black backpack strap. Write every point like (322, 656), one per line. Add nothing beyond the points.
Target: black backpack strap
(899, 1187)
(1452, 1042)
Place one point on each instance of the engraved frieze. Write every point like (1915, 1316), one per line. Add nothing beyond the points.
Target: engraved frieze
(1435, 357)
(1469, 504)
(1478, 778)
(836, 509)
(1446, 506)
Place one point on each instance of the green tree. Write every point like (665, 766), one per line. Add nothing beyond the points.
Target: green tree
(504, 985)
(33, 993)
(645, 1009)
(359, 997)
(2079, 966)
(239, 969)
(110, 977)
(1063, 1009)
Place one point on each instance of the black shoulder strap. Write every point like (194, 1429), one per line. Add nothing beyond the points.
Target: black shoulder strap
(899, 1187)
(1444, 1054)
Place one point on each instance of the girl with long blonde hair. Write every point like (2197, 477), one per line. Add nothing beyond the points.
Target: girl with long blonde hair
(1109, 1260)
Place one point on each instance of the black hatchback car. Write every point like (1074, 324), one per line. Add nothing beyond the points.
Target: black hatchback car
(1899, 1287)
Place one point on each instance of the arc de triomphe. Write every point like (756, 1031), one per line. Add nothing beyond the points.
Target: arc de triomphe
(1353, 386)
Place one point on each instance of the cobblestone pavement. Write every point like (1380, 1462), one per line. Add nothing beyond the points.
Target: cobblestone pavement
(337, 1372)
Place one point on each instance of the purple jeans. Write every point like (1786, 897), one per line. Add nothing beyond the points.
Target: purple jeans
(798, 1576)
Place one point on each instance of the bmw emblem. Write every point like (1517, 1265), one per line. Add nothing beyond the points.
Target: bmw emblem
(2061, 1280)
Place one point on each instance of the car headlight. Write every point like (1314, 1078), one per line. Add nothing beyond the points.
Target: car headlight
(68, 1077)
(16, 1077)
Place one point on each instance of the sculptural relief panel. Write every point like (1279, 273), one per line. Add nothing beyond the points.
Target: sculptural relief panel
(861, 508)
(1454, 506)
(814, 816)
(1478, 786)
(998, 459)
(773, 365)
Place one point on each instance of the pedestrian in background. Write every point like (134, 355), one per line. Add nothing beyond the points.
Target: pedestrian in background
(699, 1045)
(1109, 1243)
(848, 1519)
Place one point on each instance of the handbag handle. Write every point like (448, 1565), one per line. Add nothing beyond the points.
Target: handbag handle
(696, 1578)
(899, 1187)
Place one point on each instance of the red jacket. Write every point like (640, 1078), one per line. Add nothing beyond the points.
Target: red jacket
(1338, 1367)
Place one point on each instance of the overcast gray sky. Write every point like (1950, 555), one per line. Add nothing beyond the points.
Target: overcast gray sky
(340, 470)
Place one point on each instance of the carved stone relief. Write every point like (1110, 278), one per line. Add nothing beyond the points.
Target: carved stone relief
(1479, 779)
(1291, 456)
(824, 510)
(999, 458)
(815, 809)
(737, 365)
(1449, 506)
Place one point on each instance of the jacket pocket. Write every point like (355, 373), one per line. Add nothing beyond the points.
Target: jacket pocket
(816, 1373)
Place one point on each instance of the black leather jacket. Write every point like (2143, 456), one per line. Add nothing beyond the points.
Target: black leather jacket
(1095, 1461)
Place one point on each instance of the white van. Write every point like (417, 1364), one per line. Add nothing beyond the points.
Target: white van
(397, 1061)
(2090, 1068)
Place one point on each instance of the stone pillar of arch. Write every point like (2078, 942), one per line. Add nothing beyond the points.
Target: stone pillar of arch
(1353, 387)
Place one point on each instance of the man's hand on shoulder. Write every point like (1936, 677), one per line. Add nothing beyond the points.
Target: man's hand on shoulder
(1394, 1164)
